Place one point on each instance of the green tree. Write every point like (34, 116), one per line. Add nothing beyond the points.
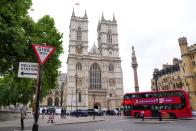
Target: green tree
(12, 34)
(17, 34)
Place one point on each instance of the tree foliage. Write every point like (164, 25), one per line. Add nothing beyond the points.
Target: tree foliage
(17, 34)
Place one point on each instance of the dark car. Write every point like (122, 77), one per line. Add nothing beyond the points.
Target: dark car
(110, 112)
(92, 112)
(101, 113)
(79, 112)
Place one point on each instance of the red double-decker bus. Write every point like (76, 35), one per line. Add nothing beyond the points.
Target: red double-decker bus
(171, 104)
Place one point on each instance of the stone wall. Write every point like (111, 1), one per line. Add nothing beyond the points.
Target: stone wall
(9, 115)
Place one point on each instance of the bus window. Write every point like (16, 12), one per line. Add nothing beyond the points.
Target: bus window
(178, 94)
(149, 95)
(167, 94)
(147, 107)
(156, 107)
(127, 96)
(161, 107)
(138, 95)
(174, 107)
(152, 107)
(155, 95)
(164, 94)
(161, 95)
(183, 101)
(133, 96)
(143, 95)
(171, 94)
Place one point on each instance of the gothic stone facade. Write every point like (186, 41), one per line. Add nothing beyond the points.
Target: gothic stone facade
(188, 55)
(56, 96)
(169, 78)
(95, 75)
(181, 75)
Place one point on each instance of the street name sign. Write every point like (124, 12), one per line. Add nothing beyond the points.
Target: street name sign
(43, 52)
(28, 70)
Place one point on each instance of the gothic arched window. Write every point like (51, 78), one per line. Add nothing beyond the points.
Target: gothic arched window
(56, 103)
(109, 37)
(111, 67)
(78, 66)
(49, 101)
(79, 34)
(95, 76)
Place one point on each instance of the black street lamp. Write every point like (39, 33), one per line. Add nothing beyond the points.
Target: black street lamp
(62, 90)
(71, 99)
(76, 76)
(155, 77)
(94, 96)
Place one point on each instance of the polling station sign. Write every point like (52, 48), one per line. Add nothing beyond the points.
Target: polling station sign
(28, 70)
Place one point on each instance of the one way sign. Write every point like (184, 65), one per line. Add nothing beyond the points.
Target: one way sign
(28, 70)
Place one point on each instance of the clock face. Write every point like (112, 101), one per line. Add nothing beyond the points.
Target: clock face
(79, 49)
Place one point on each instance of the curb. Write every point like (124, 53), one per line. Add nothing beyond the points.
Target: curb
(76, 122)
(153, 122)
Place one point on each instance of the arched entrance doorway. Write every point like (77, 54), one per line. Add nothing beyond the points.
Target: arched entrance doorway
(56, 102)
(49, 101)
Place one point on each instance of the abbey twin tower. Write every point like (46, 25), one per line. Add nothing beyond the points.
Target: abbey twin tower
(94, 77)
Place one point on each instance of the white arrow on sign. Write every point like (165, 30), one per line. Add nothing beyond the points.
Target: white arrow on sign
(28, 70)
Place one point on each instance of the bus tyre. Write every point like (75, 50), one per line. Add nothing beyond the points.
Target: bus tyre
(172, 115)
(136, 115)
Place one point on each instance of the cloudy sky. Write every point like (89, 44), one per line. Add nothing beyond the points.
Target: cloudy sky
(151, 26)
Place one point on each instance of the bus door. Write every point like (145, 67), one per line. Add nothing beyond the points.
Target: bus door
(128, 110)
(154, 111)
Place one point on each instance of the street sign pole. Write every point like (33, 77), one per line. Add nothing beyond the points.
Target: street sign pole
(43, 53)
(36, 114)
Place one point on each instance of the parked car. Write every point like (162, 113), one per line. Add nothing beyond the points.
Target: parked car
(68, 112)
(194, 113)
(95, 112)
(101, 113)
(116, 111)
(110, 112)
(58, 110)
(79, 112)
(91, 112)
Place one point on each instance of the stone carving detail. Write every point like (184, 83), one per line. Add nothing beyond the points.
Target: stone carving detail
(111, 82)
(79, 81)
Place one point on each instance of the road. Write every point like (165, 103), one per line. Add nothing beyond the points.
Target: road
(120, 124)
(117, 123)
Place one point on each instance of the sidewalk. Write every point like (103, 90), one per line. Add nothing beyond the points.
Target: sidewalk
(57, 121)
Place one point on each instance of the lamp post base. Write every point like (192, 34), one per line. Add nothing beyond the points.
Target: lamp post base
(35, 127)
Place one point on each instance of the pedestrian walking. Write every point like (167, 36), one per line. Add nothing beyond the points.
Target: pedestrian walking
(64, 112)
(142, 115)
(51, 117)
(43, 113)
(22, 117)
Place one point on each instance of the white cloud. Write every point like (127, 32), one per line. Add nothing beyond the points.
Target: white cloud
(152, 26)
